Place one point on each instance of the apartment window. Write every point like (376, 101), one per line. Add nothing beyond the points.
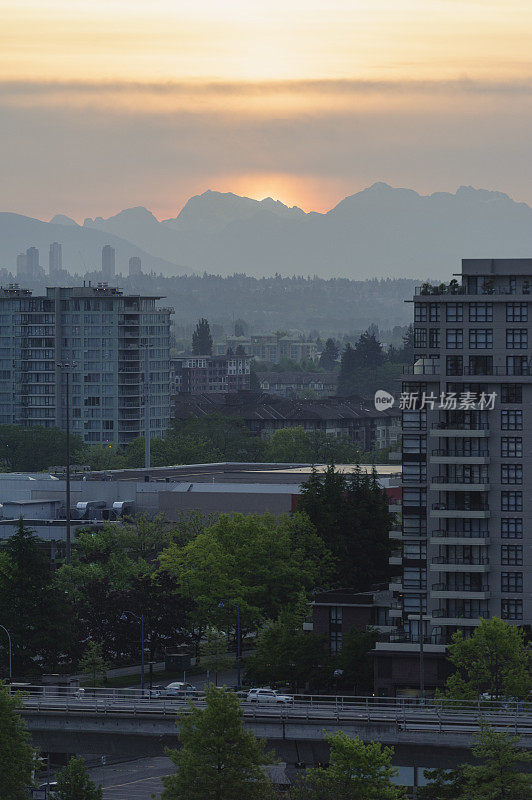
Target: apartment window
(511, 393)
(511, 419)
(434, 338)
(516, 338)
(511, 501)
(413, 420)
(512, 609)
(511, 447)
(511, 473)
(455, 312)
(417, 551)
(414, 578)
(420, 312)
(516, 312)
(454, 365)
(415, 497)
(481, 338)
(411, 604)
(512, 555)
(420, 337)
(415, 444)
(434, 312)
(335, 629)
(414, 472)
(481, 312)
(511, 582)
(454, 338)
(511, 528)
(517, 365)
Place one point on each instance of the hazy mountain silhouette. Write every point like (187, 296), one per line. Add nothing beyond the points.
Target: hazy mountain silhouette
(380, 231)
(81, 246)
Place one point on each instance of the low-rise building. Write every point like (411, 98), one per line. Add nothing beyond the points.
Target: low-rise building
(297, 384)
(207, 374)
(270, 347)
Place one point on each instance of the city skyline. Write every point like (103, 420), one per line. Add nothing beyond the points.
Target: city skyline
(304, 103)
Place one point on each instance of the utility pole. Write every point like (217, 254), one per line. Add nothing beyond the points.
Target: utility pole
(147, 399)
(421, 650)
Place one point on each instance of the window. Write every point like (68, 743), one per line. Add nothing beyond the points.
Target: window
(512, 555)
(511, 447)
(511, 582)
(414, 444)
(434, 338)
(511, 501)
(414, 578)
(480, 338)
(434, 312)
(455, 312)
(511, 473)
(420, 312)
(420, 337)
(511, 393)
(413, 420)
(511, 420)
(516, 312)
(415, 497)
(516, 338)
(512, 609)
(417, 551)
(481, 312)
(454, 338)
(511, 528)
(454, 365)
(335, 629)
(517, 365)
(414, 472)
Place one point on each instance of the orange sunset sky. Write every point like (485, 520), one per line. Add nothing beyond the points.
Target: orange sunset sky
(105, 105)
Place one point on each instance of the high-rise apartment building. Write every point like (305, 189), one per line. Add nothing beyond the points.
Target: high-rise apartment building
(108, 262)
(467, 471)
(135, 266)
(55, 260)
(118, 349)
(28, 267)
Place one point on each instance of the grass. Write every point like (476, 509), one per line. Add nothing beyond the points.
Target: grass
(128, 681)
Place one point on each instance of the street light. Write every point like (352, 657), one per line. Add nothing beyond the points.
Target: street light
(10, 653)
(221, 604)
(140, 619)
(64, 367)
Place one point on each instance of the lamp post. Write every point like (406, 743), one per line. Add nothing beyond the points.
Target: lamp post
(65, 366)
(140, 619)
(10, 653)
(421, 650)
(221, 604)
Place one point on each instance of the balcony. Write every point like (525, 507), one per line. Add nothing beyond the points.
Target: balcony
(457, 483)
(441, 537)
(451, 618)
(395, 533)
(459, 564)
(406, 642)
(457, 456)
(442, 511)
(462, 429)
(444, 590)
(396, 558)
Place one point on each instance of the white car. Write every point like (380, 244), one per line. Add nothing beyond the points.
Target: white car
(176, 689)
(268, 696)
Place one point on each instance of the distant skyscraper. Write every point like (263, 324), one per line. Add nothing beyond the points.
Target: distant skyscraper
(108, 261)
(32, 262)
(56, 257)
(135, 266)
(21, 265)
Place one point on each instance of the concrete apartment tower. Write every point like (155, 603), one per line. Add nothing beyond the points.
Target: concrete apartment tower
(108, 262)
(467, 471)
(135, 266)
(55, 259)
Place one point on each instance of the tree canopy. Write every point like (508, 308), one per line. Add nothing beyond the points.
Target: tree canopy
(218, 758)
(495, 660)
(17, 757)
(202, 339)
(73, 783)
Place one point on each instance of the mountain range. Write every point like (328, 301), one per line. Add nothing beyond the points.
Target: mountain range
(379, 232)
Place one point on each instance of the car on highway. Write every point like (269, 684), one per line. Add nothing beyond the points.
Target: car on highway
(175, 689)
(267, 695)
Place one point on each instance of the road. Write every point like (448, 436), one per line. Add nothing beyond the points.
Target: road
(133, 780)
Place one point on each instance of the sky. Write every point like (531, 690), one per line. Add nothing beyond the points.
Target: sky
(110, 104)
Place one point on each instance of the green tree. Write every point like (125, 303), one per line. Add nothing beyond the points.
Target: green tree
(443, 784)
(495, 660)
(368, 351)
(36, 449)
(218, 759)
(350, 512)
(202, 339)
(258, 561)
(355, 660)
(104, 456)
(347, 376)
(497, 778)
(73, 783)
(33, 609)
(329, 356)
(356, 772)
(285, 654)
(227, 437)
(93, 663)
(214, 652)
(17, 757)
